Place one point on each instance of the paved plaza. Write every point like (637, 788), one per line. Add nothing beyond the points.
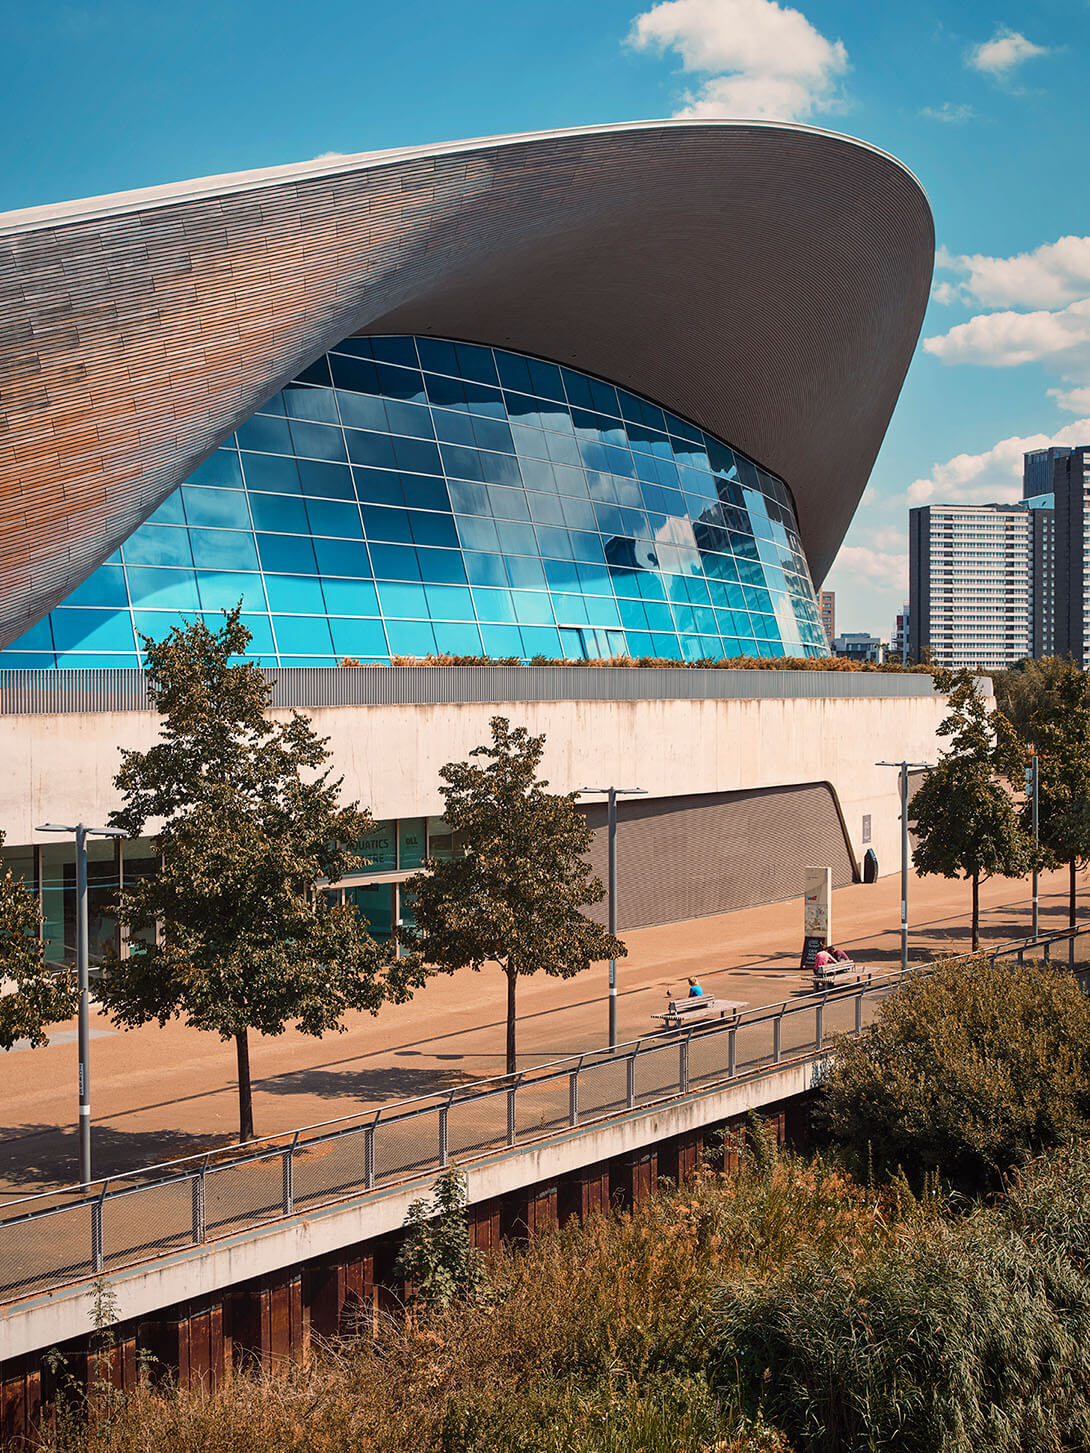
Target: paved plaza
(163, 1093)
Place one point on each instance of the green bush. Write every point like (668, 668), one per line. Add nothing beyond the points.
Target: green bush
(969, 1070)
(950, 1336)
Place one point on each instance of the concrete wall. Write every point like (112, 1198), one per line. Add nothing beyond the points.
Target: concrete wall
(60, 768)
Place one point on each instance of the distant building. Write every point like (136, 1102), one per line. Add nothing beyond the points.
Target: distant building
(898, 642)
(970, 582)
(1060, 477)
(827, 601)
(860, 646)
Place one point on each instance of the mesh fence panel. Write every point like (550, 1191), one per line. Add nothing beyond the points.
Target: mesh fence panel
(406, 1147)
(144, 1221)
(541, 1106)
(603, 1088)
(756, 1045)
(797, 1032)
(477, 1124)
(838, 1019)
(657, 1073)
(709, 1055)
(328, 1169)
(238, 1195)
(46, 1251)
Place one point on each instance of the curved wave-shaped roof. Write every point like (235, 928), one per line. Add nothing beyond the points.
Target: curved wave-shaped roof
(766, 281)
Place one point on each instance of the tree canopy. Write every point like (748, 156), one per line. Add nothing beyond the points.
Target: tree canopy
(1057, 725)
(514, 896)
(247, 827)
(970, 1069)
(39, 994)
(965, 819)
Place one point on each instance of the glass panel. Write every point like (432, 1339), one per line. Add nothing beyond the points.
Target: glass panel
(375, 902)
(225, 508)
(158, 545)
(106, 587)
(410, 842)
(611, 478)
(364, 639)
(220, 468)
(223, 590)
(300, 594)
(272, 473)
(377, 849)
(216, 550)
(442, 843)
(92, 630)
(457, 638)
(410, 638)
(296, 635)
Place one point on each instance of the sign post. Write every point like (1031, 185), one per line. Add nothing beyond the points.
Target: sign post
(817, 913)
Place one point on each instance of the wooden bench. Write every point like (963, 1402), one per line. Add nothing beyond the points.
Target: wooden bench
(680, 1012)
(831, 976)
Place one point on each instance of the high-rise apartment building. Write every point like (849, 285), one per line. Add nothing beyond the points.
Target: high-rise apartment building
(969, 584)
(1061, 477)
(827, 602)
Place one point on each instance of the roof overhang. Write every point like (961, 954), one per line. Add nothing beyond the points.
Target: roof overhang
(766, 281)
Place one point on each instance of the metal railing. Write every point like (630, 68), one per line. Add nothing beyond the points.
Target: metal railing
(59, 1237)
(1043, 945)
(52, 692)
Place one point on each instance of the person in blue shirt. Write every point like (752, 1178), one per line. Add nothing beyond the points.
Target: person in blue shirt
(695, 991)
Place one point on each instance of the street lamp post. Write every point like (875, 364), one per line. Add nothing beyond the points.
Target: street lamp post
(613, 793)
(903, 767)
(1033, 793)
(83, 970)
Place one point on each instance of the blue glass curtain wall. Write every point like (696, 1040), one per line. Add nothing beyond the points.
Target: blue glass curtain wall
(413, 496)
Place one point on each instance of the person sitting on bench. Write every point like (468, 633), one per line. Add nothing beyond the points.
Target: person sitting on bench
(695, 991)
(839, 955)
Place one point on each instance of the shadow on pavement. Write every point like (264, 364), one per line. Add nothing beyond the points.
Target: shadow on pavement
(398, 1082)
(45, 1156)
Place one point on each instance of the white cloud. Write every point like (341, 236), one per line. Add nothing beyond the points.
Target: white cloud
(329, 155)
(886, 569)
(1074, 400)
(1006, 49)
(952, 112)
(760, 60)
(1005, 339)
(1050, 276)
(992, 477)
(945, 292)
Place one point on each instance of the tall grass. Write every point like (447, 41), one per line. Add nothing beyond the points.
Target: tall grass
(785, 1310)
(948, 1335)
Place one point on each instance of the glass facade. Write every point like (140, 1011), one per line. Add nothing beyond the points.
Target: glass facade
(407, 497)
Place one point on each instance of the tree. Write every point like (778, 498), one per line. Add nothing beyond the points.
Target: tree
(437, 1257)
(965, 820)
(514, 897)
(1058, 726)
(250, 827)
(971, 1069)
(1021, 689)
(40, 993)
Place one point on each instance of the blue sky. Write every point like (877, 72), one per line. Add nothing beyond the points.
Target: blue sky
(986, 105)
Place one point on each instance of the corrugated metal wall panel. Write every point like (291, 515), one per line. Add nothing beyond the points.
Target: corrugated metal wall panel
(693, 856)
(47, 692)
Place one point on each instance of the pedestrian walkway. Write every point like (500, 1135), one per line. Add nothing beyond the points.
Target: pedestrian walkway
(163, 1093)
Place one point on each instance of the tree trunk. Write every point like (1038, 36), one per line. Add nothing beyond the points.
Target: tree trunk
(1071, 892)
(512, 976)
(976, 911)
(245, 1089)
